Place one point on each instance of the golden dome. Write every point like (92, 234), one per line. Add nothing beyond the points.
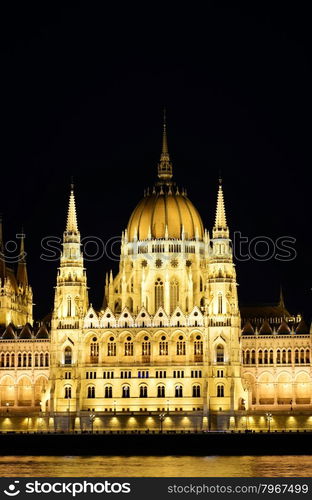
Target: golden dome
(165, 208)
(166, 212)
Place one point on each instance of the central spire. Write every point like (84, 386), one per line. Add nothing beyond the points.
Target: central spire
(165, 165)
(72, 226)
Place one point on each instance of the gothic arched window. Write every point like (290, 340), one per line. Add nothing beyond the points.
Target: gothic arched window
(160, 391)
(108, 391)
(69, 306)
(174, 295)
(196, 391)
(159, 294)
(68, 356)
(220, 391)
(67, 394)
(126, 391)
(178, 391)
(143, 391)
(91, 391)
(220, 304)
(220, 353)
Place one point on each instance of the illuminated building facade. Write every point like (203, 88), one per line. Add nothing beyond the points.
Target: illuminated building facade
(168, 344)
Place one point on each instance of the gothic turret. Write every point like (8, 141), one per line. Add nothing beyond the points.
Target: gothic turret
(71, 295)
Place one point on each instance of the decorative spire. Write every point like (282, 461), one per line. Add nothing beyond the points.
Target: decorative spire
(220, 220)
(22, 276)
(2, 257)
(165, 165)
(72, 226)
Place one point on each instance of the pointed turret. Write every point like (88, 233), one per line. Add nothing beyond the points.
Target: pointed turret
(72, 226)
(220, 228)
(22, 276)
(165, 165)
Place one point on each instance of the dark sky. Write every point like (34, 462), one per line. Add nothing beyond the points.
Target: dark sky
(82, 92)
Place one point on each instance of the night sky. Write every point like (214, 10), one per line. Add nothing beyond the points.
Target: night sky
(82, 94)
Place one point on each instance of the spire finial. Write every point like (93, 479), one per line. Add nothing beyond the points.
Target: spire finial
(22, 276)
(72, 226)
(165, 165)
(220, 220)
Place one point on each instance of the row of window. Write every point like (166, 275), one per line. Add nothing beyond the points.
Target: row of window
(180, 350)
(280, 356)
(143, 391)
(143, 374)
(24, 360)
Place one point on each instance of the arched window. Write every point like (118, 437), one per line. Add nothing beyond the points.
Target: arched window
(247, 357)
(284, 356)
(91, 391)
(271, 359)
(289, 356)
(69, 306)
(200, 284)
(108, 391)
(220, 304)
(94, 351)
(174, 295)
(2, 360)
(41, 360)
(253, 357)
(159, 294)
(128, 348)
(8, 360)
(302, 356)
(19, 360)
(198, 347)
(308, 356)
(163, 348)
(297, 356)
(196, 391)
(180, 348)
(111, 348)
(29, 359)
(220, 353)
(68, 356)
(67, 394)
(266, 357)
(220, 391)
(143, 391)
(47, 359)
(202, 303)
(24, 359)
(178, 391)
(125, 391)
(161, 391)
(260, 357)
(146, 348)
(278, 357)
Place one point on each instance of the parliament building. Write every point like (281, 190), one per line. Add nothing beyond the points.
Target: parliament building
(170, 349)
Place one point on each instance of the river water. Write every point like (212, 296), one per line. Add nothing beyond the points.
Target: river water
(151, 466)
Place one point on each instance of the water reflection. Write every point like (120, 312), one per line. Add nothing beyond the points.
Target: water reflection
(170, 466)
